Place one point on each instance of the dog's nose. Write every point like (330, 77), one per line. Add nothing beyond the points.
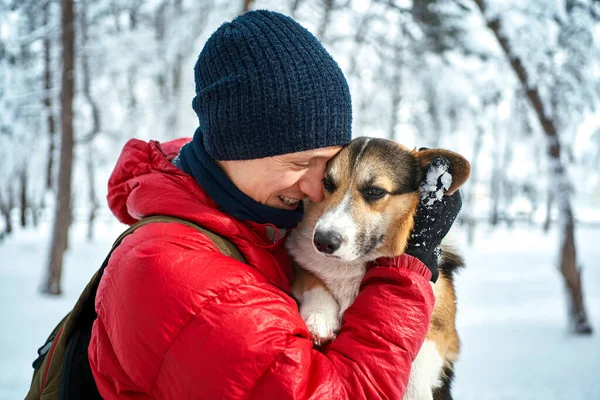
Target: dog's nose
(327, 242)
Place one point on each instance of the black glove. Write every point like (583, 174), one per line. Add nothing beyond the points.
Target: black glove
(435, 215)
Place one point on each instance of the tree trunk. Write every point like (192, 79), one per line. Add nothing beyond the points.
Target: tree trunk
(496, 178)
(62, 218)
(438, 127)
(326, 21)
(35, 214)
(578, 320)
(48, 99)
(132, 102)
(23, 198)
(132, 71)
(549, 205)
(468, 214)
(495, 198)
(96, 127)
(246, 5)
(5, 207)
(160, 27)
(294, 8)
(93, 199)
(359, 38)
(507, 185)
(396, 85)
(172, 119)
(509, 196)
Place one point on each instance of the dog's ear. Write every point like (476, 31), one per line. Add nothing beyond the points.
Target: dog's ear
(460, 169)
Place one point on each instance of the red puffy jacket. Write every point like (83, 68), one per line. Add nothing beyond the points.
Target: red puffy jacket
(179, 320)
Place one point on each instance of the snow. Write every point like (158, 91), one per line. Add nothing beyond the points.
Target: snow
(512, 320)
(511, 314)
(437, 181)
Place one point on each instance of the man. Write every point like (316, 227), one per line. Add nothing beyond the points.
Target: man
(179, 320)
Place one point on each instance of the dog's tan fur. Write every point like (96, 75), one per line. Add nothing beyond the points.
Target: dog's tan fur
(442, 329)
(396, 213)
(402, 224)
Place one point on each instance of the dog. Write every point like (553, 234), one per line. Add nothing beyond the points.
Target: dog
(371, 196)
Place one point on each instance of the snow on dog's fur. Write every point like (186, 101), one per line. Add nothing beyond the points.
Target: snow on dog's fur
(372, 193)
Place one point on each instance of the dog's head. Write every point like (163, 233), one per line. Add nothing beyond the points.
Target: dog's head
(371, 195)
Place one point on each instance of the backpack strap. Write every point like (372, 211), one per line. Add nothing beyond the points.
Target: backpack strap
(224, 245)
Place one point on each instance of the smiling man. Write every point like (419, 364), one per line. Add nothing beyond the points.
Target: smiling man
(177, 319)
(282, 181)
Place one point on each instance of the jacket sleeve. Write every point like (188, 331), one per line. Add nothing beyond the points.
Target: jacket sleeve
(249, 341)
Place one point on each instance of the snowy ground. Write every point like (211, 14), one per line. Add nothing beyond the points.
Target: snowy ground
(512, 320)
(511, 313)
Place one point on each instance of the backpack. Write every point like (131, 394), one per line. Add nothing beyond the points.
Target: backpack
(62, 369)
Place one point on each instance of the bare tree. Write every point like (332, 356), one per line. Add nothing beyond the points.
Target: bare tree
(94, 204)
(6, 205)
(160, 26)
(578, 320)
(23, 198)
(172, 119)
(328, 6)
(47, 44)
(246, 5)
(468, 213)
(63, 217)
(498, 167)
(549, 206)
(132, 71)
(502, 189)
(294, 7)
(396, 82)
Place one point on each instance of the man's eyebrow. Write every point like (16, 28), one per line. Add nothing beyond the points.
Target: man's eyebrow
(305, 158)
(300, 159)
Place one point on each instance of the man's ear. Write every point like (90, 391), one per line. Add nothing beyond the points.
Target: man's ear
(460, 169)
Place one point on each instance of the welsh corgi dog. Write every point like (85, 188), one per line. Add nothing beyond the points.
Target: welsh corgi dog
(371, 196)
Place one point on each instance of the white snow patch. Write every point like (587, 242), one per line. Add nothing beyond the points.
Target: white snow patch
(428, 188)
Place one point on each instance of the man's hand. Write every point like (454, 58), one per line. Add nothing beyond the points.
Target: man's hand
(435, 215)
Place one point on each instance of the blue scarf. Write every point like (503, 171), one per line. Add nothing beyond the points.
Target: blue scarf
(195, 161)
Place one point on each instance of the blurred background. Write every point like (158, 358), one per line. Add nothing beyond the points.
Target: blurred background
(512, 85)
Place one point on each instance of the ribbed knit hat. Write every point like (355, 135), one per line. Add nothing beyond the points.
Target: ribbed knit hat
(266, 86)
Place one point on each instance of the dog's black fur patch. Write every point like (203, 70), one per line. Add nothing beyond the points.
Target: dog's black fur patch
(444, 392)
(450, 262)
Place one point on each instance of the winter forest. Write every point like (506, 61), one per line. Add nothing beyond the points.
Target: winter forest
(514, 86)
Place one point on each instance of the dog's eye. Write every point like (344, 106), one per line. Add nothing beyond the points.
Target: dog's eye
(328, 185)
(374, 193)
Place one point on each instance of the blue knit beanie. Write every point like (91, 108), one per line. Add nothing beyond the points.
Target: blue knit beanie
(266, 86)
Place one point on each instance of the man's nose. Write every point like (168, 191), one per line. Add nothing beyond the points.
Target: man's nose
(312, 186)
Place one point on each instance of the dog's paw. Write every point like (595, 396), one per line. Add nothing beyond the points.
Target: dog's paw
(323, 326)
(320, 310)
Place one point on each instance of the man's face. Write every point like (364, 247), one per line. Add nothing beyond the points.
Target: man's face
(282, 181)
